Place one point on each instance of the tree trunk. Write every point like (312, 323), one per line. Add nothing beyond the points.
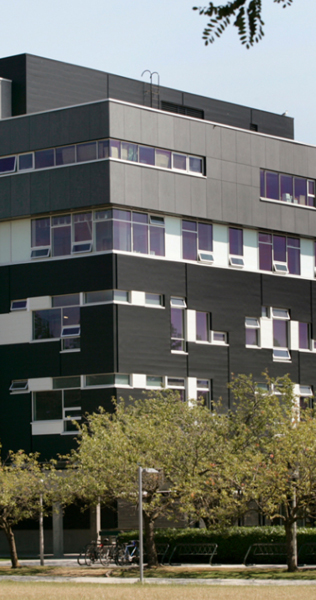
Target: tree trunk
(11, 541)
(291, 546)
(152, 558)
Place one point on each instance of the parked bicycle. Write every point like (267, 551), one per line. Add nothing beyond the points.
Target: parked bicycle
(128, 554)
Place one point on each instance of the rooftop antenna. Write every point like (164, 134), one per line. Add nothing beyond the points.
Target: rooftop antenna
(154, 88)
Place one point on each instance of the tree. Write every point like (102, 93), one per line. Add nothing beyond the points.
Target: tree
(159, 431)
(21, 477)
(279, 441)
(247, 15)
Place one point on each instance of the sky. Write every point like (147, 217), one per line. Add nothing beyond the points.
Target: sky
(126, 37)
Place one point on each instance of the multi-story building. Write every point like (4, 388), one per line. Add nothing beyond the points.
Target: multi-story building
(148, 237)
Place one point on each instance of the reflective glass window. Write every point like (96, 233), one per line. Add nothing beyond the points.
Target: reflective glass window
(279, 248)
(180, 162)
(140, 233)
(129, 151)
(46, 324)
(189, 240)
(163, 158)
(40, 232)
(47, 405)
(205, 237)
(146, 155)
(82, 227)
(65, 155)
(195, 164)
(103, 149)
(61, 240)
(300, 190)
(177, 329)
(86, 152)
(280, 333)
(286, 182)
(272, 186)
(102, 296)
(303, 334)
(294, 256)
(157, 240)
(115, 149)
(7, 164)
(236, 241)
(202, 327)
(66, 300)
(262, 184)
(26, 162)
(44, 158)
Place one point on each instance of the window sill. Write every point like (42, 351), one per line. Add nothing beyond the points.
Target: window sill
(179, 352)
(287, 203)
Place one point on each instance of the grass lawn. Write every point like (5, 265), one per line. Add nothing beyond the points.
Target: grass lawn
(173, 572)
(72, 591)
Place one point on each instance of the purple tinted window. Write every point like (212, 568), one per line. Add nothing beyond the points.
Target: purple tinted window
(7, 165)
(311, 187)
(71, 316)
(103, 233)
(140, 238)
(177, 330)
(41, 232)
(236, 241)
(189, 245)
(65, 155)
(61, 240)
(129, 151)
(286, 188)
(44, 158)
(265, 257)
(61, 220)
(180, 162)
(262, 186)
(146, 155)
(122, 215)
(139, 218)
(86, 152)
(279, 248)
(25, 162)
(103, 149)
(121, 235)
(272, 186)
(46, 324)
(202, 327)
(300, 186)
(294, 256)
(195, 164)
(157, 240)
(82, 227)
(205, 237)
(303, 336)
(189, 225)
(279, 333)
(251, 337)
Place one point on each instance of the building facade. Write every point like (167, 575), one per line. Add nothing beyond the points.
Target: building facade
(148, 237)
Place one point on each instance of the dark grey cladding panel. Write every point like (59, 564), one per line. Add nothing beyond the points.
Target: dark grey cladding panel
(273, 124)
(50, 446)
(5, 197)
(170, 95)
(210, 362)
(91, 400)
(313, 306)
(227, 294)
(144, 344)
(126, 89)
(148, 275)
(5, 136)
(23, 361)
(40, 191)
(15, 426)
(307, 369)
(61, 277)
(283, 292)
(52, 84)
(221, 112)
(4, 290)
(97, 339)
(21, 195)
(20, 135)
(14, 68)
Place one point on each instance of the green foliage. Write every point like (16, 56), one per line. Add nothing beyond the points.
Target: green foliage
(247, 19)
(233, 543)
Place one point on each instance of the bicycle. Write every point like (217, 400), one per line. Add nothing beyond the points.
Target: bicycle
(127, 554)
(98, 551)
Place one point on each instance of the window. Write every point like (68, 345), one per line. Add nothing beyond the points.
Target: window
(280, 319)
(236, 249)
(202, 327)
(19, 385)
(219, 337)
(287, 188)
(279, 253)
(304, 336)
(306, 397)
(59, 404)
(177, 324)
(40, 238)
(177, 385)
(154, 381)
(203, 392)
(153, 299)
(197, 241)
(19, 305)
(61, 321)
(252, 331)
(82, 232)
(7, 164)
(61, 235)
(104, 380)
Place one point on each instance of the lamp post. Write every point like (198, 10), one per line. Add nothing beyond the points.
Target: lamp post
(41, 528)
(140, 519)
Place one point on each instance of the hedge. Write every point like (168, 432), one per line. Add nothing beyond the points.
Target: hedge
(233, 543)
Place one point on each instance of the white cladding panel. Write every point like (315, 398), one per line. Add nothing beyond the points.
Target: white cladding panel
(220, 245)
(266, 328)
(15, 327)
(294, 341)
(41, 384)
(40, 302)
(138, 380)
(47, 427)
(251, 252)
(191, 325)
(21, 240)
(191, 388)
(173, 229)
(138, 298)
